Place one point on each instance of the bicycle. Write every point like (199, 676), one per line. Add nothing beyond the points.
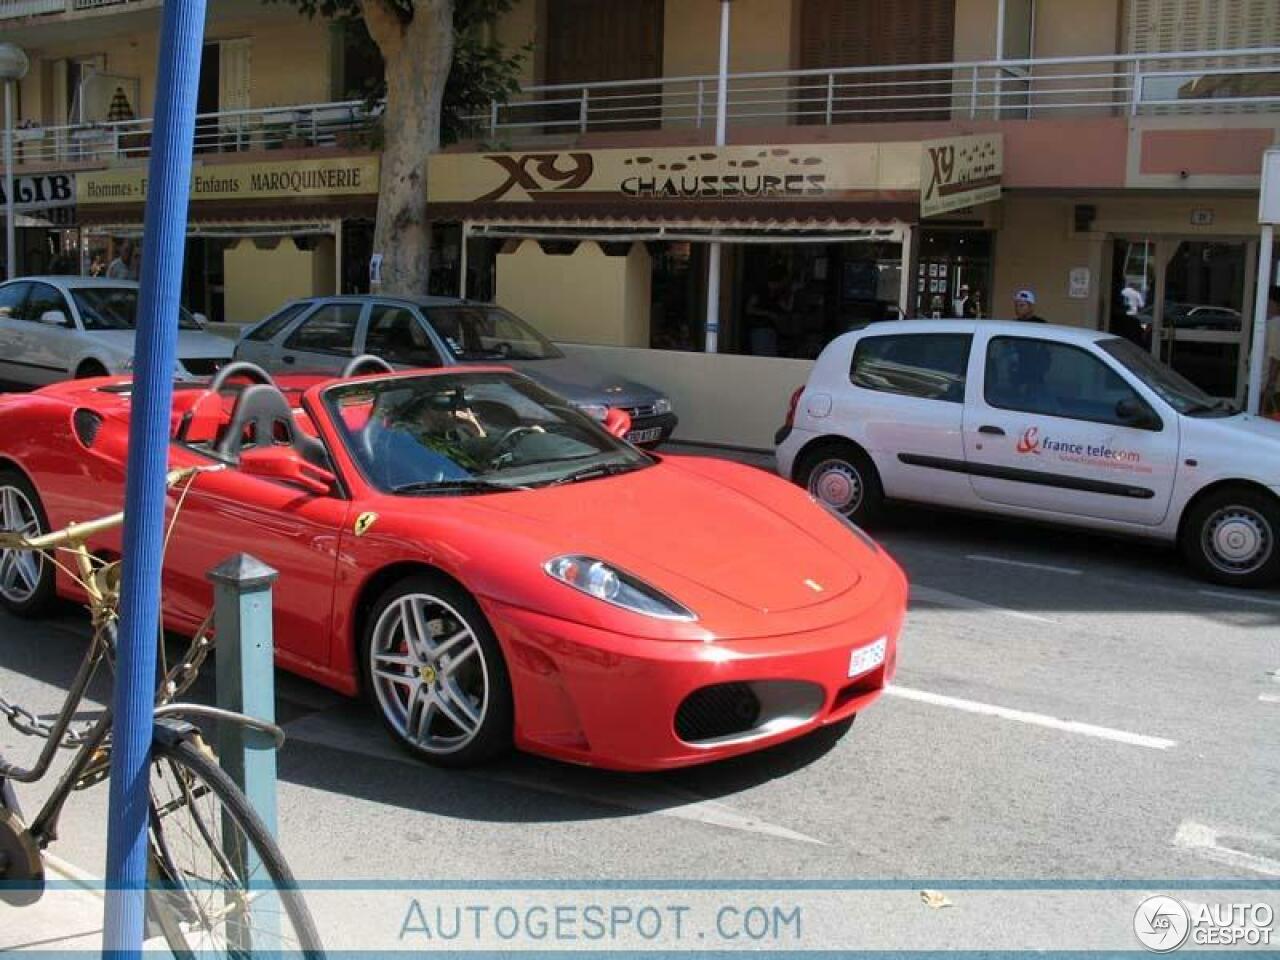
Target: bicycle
(217, 881)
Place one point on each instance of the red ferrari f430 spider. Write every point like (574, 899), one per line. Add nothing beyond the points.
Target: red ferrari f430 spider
(488, 565)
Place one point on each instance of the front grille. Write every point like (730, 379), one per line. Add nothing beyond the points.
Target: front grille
(202, 366)
(717, 711)
(644, 410)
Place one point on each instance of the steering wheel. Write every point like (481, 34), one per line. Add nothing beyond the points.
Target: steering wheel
(504, 441)
(357, 365)
(240, 368)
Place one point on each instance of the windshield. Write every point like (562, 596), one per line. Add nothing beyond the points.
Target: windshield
(476, 333)
(116, 308)
(459, 433)
(1172, 387)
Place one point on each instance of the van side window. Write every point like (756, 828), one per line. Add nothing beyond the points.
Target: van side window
(927, 365)
(1057, 380)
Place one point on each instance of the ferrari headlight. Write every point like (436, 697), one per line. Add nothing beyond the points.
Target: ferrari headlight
(604, 582)
(596, 411)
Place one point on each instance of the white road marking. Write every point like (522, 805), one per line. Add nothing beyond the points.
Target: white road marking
(1269, 697)
(1035, 719)
(341, 730)
(1241, 597)
(984, 558)
(1204, 840)
(948, 599)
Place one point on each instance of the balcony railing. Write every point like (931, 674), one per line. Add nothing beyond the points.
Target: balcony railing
(350, 124)
(13, 9)
(1206, 81)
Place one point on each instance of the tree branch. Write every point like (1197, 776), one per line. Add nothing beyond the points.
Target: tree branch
(386, 25)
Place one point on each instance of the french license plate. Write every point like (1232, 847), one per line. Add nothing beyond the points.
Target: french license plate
(864, 659)
(645, 436)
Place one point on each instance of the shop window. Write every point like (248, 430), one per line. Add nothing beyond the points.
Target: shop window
(931, 366)
(953, 274)
(677, 295)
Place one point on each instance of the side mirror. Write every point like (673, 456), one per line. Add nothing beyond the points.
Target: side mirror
(1135, 413)
(54, 318)
(201, 320)
(286, 464)
(617, 422)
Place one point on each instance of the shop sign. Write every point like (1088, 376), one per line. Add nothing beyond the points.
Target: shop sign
(1078, 283)
(960, 172)
(329, 177)
(40, 191)
(777, 173)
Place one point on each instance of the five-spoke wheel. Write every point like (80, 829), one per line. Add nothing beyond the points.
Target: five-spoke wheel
(26, 578)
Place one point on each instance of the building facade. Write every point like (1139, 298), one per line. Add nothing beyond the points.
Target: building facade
(286, 178)
(913, 158)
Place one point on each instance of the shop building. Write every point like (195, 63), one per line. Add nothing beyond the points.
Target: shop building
(286, 176)
(1104, 154)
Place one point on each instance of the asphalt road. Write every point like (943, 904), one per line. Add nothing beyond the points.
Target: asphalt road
(1067, 708)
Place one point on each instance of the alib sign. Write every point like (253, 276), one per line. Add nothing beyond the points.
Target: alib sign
(960, 172)
(41, 191)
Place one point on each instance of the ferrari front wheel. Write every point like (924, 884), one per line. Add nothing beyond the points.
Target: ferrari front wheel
(26, 577)
(436, 673)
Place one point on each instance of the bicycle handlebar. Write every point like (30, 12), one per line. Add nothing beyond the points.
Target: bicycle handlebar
(77, 533)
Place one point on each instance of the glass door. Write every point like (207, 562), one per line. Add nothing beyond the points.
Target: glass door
(1202, 331)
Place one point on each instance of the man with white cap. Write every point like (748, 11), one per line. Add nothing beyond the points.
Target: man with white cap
(1024, 302)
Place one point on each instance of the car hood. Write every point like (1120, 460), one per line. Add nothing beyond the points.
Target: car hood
(666, 524)
(583, 382)
(193, 344)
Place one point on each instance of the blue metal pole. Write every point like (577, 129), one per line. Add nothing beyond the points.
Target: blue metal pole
(164, 236)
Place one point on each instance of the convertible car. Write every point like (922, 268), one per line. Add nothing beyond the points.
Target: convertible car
(487, 564)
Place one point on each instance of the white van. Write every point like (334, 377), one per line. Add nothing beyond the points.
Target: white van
(1042, 422)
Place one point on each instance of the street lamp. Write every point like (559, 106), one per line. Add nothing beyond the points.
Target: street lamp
(13, 66)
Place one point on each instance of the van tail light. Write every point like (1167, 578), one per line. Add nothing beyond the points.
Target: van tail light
(791, 407)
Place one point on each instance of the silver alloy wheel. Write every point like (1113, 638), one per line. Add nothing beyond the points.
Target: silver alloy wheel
(838, 484)
(429, 673)
(20, 570)
(1237, 540)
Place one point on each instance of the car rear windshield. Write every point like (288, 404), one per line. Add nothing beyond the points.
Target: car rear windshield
(475, 333)
(116, 308)
(1172, 387)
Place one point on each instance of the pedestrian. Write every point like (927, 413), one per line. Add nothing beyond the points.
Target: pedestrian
(1024, 302)
(121, 268)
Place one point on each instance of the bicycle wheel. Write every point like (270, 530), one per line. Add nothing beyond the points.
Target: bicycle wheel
(219, 884)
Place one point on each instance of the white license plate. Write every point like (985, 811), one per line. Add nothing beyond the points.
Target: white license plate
(645, 436)
(863, 659)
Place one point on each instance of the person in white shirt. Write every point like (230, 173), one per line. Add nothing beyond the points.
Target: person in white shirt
(121, 268)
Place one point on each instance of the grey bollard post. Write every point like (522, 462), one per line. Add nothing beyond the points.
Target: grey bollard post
(246, 677)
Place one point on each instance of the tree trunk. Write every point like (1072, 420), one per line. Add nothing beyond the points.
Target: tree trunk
(418, 55)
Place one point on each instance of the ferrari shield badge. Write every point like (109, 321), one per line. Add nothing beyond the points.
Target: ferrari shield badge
(364, 522)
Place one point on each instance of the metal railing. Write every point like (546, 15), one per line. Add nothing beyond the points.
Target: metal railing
(350, 124)
(1202, 81)
(13, 9)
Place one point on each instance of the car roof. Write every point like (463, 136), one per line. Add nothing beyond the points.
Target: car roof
(418, 300)
(67, 281)
(1047, 331)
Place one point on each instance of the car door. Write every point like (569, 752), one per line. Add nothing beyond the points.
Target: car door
(12, 298)
(906, 404)
(261, 344)
(398, 335)
(291, 530)
(48, 349)
(1056, 426)
(325, 340)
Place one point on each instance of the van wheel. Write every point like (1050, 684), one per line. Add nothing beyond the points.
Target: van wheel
(1230, 537)
(843, 478)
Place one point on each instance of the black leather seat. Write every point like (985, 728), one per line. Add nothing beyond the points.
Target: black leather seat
(263, 418)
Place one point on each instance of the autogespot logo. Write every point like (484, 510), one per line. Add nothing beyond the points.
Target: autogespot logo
(1161, 923)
